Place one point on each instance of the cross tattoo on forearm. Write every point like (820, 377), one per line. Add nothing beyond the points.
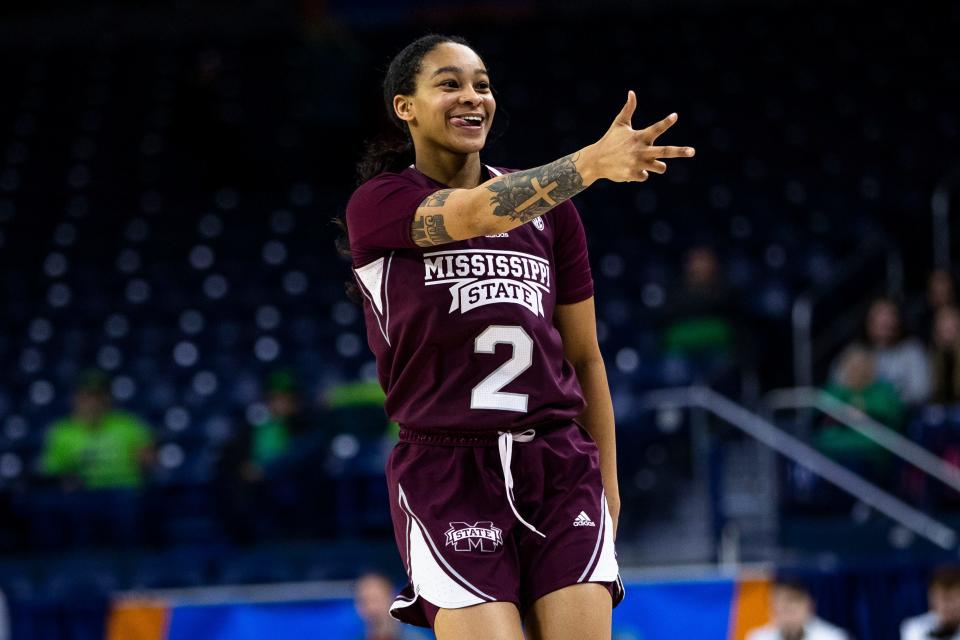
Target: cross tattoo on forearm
(540, 193)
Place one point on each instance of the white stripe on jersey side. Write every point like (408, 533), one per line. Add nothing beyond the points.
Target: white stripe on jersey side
(607, 569)
(596, 547)
(407, 541)
(400, 602)
(366, 295)
(372, 275)
(441, 586)
(500, 251)
(386, 299)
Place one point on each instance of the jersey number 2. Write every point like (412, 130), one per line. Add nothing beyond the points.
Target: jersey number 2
(488, 394)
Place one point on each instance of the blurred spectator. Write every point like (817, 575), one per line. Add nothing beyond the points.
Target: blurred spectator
(699, 314)
(943, 619)
(97, 446)
(941, 292)
(373, 596)
(857, 384)
(945, 355)
(99, 456)
(267, 471)
(272, 439)
(794, 617)
(365, 393)
(898, 359)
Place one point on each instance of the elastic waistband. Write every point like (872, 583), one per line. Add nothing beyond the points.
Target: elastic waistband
(454, 438)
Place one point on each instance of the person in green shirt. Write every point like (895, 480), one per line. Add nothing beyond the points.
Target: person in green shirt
(270, 470)
(857, 384)
(273, 438)
(99, 457)
(97, 446)
(700, 314)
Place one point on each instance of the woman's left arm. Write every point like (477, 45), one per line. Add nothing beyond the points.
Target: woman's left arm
(577, 324)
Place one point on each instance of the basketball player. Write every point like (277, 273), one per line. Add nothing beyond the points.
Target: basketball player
(478, 302)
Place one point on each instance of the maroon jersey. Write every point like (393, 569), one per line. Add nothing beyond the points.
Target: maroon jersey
(463, 332)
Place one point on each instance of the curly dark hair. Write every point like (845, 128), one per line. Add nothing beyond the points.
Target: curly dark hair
(391, 153)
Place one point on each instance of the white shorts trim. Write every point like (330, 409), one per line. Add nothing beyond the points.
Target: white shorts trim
(607, 569)
(440, 585)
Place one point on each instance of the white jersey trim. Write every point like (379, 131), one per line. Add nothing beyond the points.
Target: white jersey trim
(373, 278)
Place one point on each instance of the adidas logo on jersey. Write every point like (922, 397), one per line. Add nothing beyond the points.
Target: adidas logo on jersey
(499, 235)
(583, 520)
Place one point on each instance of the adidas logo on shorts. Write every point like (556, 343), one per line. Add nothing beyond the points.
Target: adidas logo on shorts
(583, 520)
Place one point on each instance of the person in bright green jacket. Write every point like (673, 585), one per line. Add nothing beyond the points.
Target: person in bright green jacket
(97, 446)
(364, 393)
(100, 457)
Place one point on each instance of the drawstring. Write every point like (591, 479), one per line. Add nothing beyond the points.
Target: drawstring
(505, 442)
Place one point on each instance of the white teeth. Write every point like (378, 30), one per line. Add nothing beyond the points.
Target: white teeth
(476, 119)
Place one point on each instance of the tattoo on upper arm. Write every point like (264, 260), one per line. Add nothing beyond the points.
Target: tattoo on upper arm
(524, 195)
(428, 230)
(436, 199)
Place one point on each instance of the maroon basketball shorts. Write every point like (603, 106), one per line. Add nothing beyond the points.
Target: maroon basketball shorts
(508, 517)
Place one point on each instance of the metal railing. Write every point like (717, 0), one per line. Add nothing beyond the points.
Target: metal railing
(850, 416)
(806, 456)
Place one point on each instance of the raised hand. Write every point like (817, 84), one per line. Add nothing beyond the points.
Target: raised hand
(625, 154)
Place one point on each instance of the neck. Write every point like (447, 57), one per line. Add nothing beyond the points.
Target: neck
(456, 170)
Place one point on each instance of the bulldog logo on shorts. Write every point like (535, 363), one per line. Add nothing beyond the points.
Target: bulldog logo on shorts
(479, 535)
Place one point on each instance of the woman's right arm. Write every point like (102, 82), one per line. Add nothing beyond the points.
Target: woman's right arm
(508, 201)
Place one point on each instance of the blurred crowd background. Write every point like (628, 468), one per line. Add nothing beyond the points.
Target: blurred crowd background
(186, 394)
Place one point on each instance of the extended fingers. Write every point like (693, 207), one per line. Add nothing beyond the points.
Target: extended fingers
(670, 152)
(657, 167)
(626, 113)
(655, 130)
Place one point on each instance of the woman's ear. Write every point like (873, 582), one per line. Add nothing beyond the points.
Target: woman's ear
(403, 107)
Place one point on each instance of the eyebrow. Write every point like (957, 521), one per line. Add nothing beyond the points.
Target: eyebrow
(452, 69)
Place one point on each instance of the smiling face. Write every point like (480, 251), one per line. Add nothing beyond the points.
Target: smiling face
(453, 105)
